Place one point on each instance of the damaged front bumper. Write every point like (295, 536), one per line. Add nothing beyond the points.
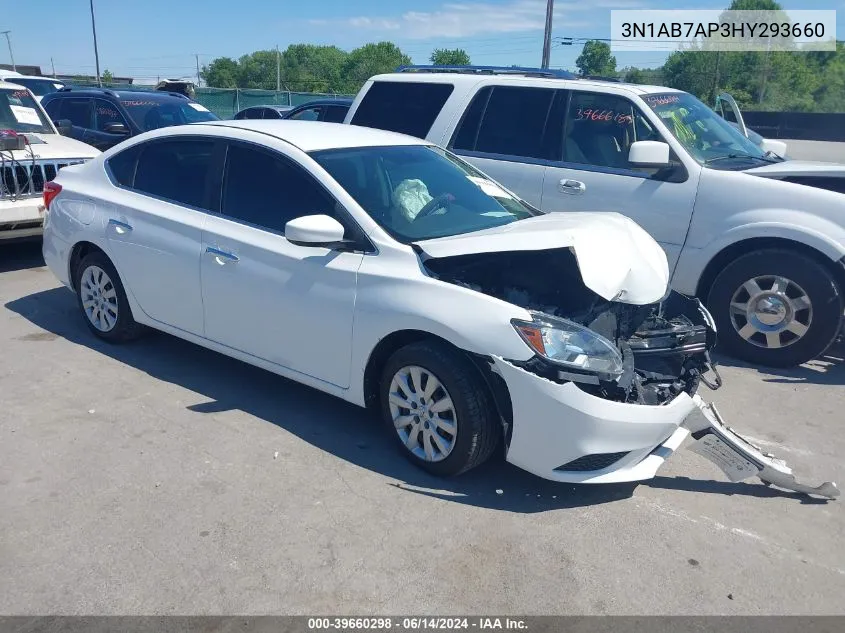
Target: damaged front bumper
(561, 432)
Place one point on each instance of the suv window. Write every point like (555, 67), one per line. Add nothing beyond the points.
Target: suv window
(402, 106)
(335, 114)
(267, 190)
(175, 169)
(78, 111)
(105, 113)
(308, 114)
(514, 121)
(600, 129)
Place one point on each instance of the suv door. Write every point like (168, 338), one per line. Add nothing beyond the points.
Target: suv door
(595, 175)
(154, 229)
(287, 304)
(107, 119)
(80, 112)
(512, 133)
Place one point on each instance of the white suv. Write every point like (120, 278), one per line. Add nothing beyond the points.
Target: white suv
(759, 238)
(31, 153)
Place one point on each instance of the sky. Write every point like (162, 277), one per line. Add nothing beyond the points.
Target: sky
(147, 39)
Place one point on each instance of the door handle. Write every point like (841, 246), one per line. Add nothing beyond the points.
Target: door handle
(221, 255)
(120, 227)
(572, 186)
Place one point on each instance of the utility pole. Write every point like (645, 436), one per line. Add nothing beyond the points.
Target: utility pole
(765, 71)
(9, 42)
(96, 53)
(547, 39)
(197, 55)
(278, 69)
(53, 66)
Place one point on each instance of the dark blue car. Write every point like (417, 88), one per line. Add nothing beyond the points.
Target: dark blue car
(330, 110)
(103, 118)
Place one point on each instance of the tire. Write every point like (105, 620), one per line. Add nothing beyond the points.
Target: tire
(478, 427)
(116, 324)
(802, 332)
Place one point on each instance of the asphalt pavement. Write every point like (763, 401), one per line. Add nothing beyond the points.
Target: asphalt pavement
(162, 478)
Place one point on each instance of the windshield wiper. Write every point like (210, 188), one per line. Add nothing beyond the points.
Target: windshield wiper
(729, 156)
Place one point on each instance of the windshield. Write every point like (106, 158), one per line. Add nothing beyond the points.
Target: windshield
(150, 114)
(420, 192)
(39, 87)
(20, 112)
(704, 134)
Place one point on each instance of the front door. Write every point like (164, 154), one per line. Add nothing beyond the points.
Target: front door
(287, 304)
(595, 174)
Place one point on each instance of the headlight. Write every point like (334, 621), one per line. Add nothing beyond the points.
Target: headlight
(571, 345)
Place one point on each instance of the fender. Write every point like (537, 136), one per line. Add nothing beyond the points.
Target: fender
(820, 234)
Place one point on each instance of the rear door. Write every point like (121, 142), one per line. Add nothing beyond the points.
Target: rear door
(155, 226)
(512, 133)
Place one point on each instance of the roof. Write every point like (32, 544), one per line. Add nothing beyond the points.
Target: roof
(148, 95)
(11, 75)
(467, 79)
(328, 101)
(312, 136)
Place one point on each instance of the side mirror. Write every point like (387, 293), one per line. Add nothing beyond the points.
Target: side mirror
(775, 147)
(63, 126)
(116, 128)
(314, 230)
(649, 154)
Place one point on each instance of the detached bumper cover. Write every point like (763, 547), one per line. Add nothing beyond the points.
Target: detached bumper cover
(560, 430)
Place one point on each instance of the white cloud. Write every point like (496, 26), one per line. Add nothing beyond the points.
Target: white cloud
(467, 19)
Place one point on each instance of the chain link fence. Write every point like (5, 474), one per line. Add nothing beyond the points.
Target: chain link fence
(225, 102)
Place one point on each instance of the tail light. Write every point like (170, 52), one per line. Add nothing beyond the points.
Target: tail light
(51, 190)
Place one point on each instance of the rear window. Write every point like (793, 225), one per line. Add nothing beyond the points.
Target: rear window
(38, 87)
(402, 106)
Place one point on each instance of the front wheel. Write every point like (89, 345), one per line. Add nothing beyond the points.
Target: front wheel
(775, 307)
(437, 407)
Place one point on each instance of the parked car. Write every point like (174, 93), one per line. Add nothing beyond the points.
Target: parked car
(38, 86)
(103, 118)
(329, 110)
(31, 153)
(476, 317)
(760, 239)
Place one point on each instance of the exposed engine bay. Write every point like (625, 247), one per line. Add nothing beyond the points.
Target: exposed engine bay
(665, 346)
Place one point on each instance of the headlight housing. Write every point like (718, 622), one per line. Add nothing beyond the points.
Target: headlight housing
(571, 346)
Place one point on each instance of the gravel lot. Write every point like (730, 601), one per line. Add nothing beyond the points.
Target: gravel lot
(161, 478)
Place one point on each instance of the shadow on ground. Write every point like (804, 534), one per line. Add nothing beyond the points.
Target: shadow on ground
(337, 427)
(20, 254)
(827, 369)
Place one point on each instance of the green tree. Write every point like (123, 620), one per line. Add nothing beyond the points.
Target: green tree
(369, 60)
(449, 57)
(257, 70)
(107, 77)
(633, 75)
(595, 59)
(310, 68)
(221, 73)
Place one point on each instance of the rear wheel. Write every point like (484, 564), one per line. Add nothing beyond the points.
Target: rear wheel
(776, 307)
(102, 299)
(437, 408)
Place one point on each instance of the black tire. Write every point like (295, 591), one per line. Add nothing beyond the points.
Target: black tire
(125, 327)
(816, 281)
(478, 426)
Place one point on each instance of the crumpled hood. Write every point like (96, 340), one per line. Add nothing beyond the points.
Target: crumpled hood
(799, 168)
(617, 259)
(55, 147)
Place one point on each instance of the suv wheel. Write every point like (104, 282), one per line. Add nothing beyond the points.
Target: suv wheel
(776, 307)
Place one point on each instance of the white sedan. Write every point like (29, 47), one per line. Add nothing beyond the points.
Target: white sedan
(383, 270)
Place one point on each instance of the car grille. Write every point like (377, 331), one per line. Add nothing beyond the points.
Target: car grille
(20, 179)
(598, 461)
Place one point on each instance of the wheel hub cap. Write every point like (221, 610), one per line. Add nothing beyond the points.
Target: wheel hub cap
(423, 413)
(771, 311)
(99, 298)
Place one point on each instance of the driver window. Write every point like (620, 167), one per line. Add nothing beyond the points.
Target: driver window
(601, 128)
(309, 114)
(104, 114)
(267, 190)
